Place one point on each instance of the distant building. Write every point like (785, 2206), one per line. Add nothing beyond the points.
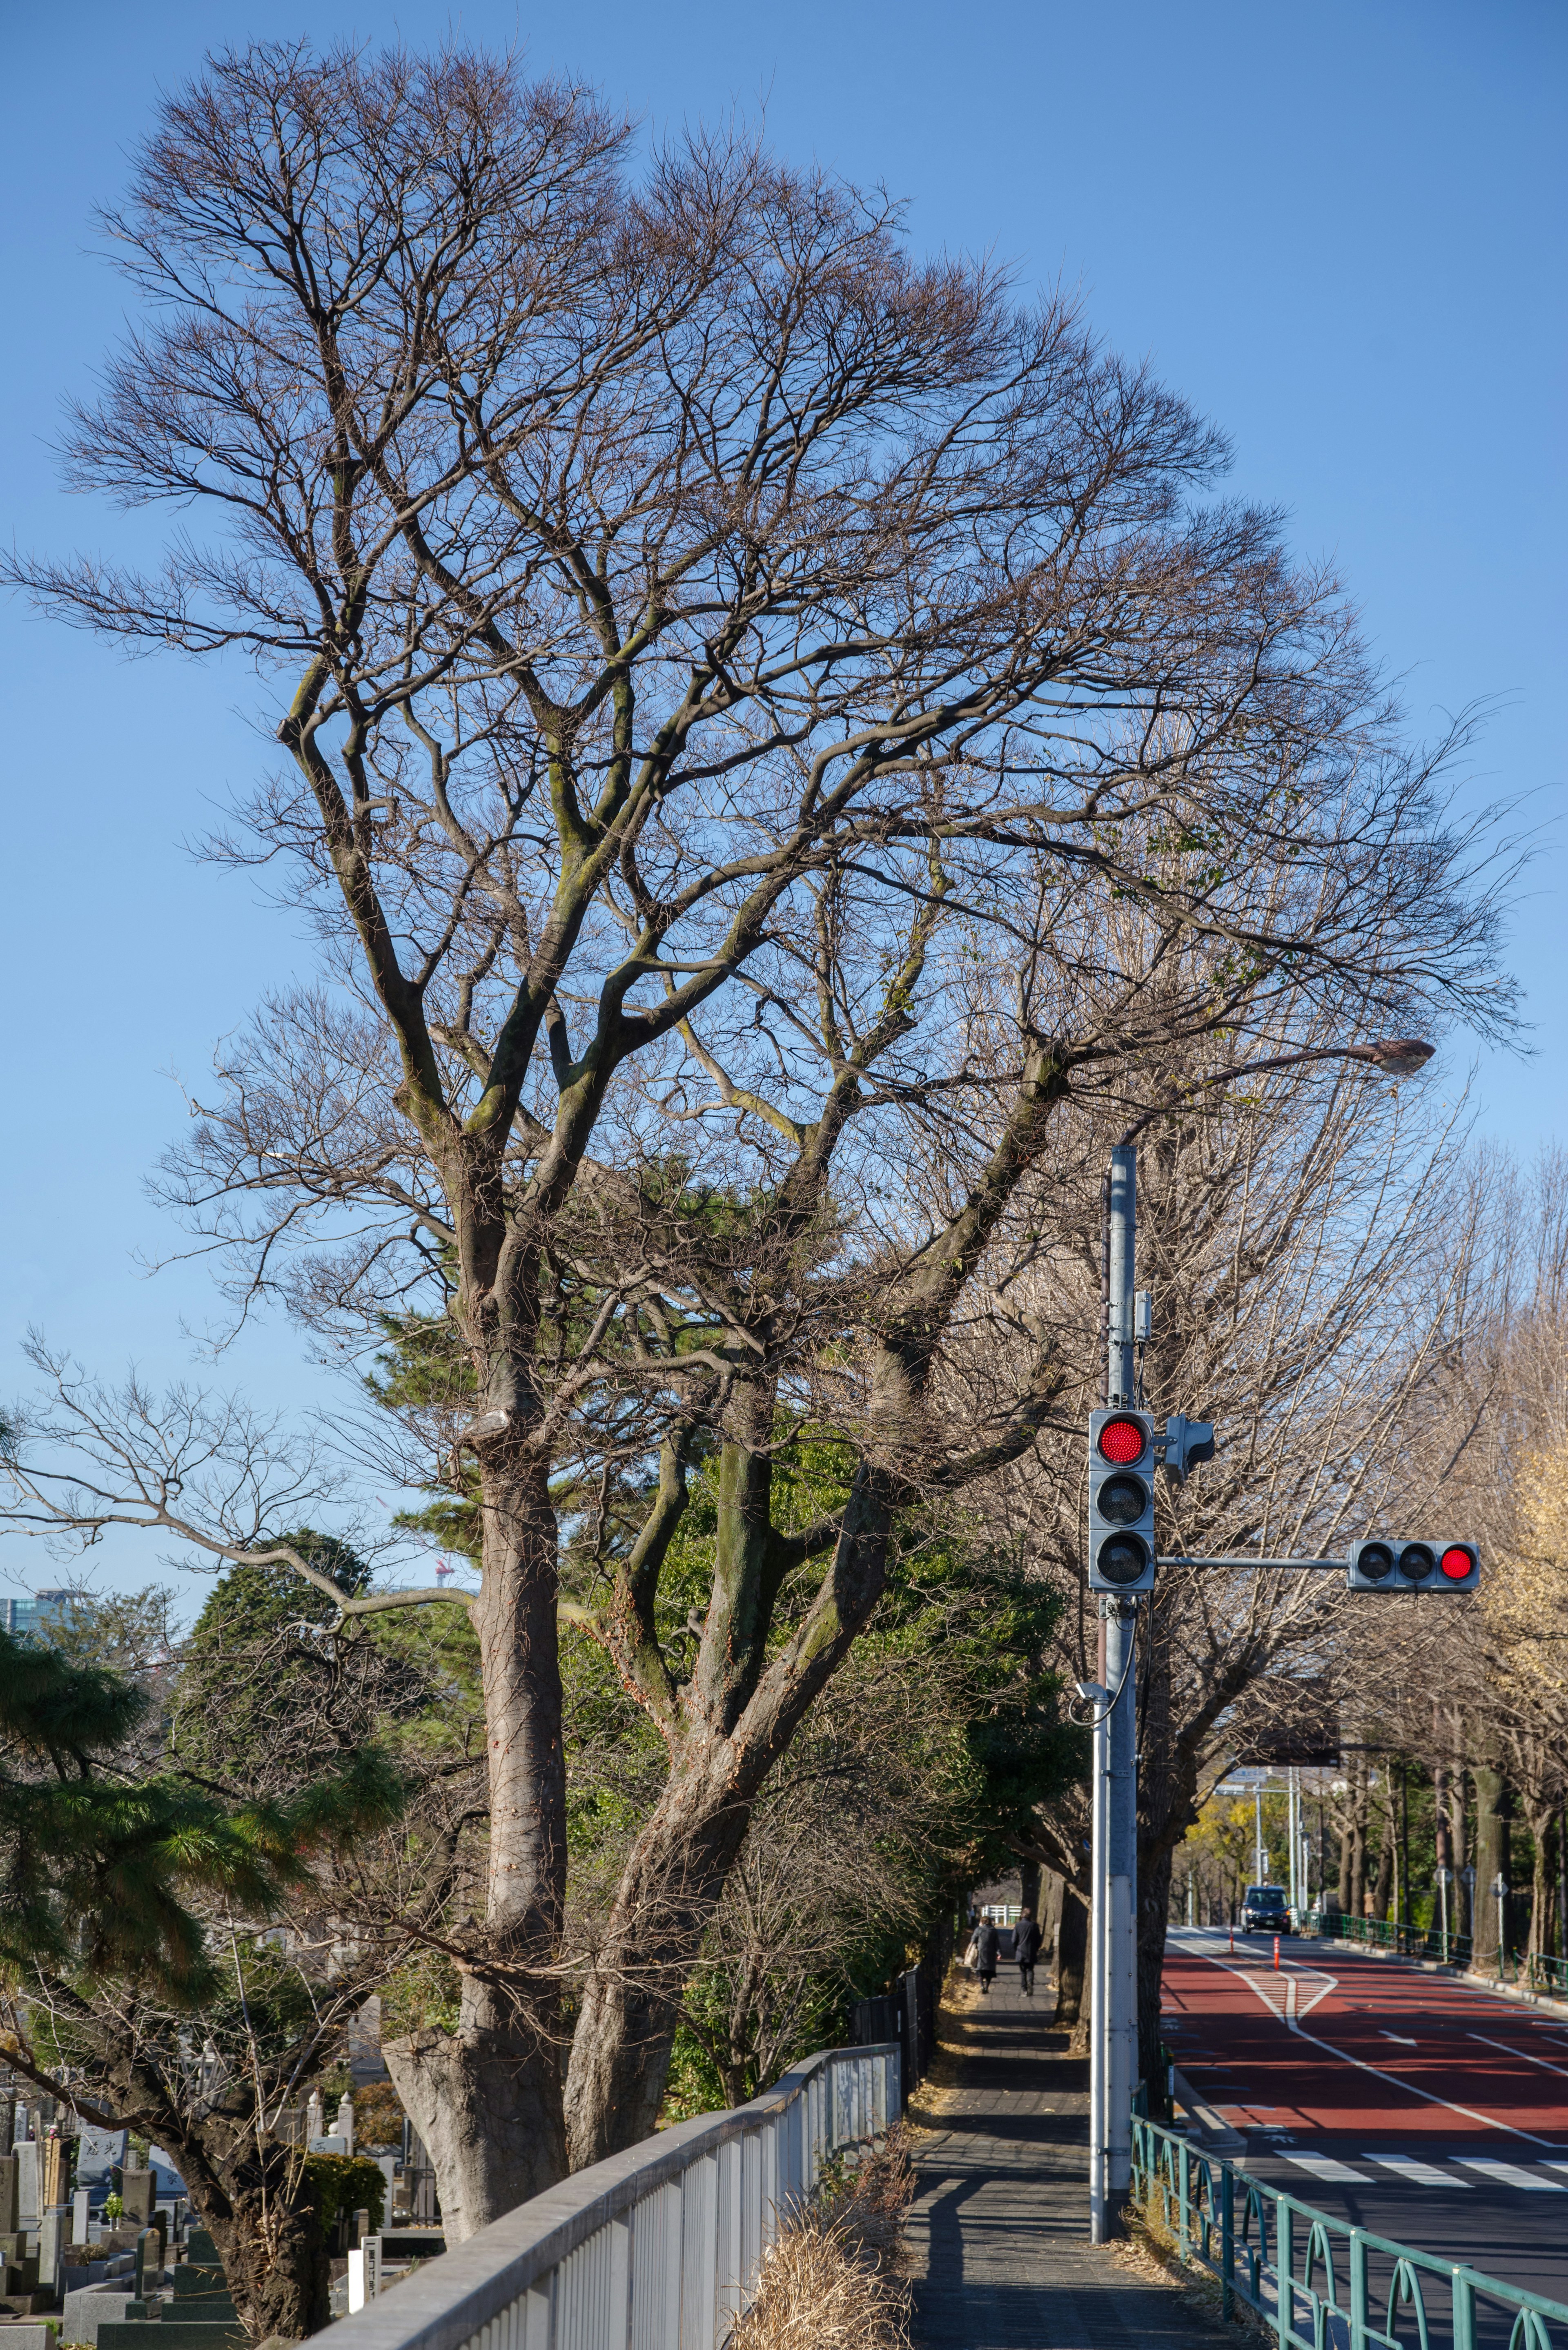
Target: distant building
(32, 1617)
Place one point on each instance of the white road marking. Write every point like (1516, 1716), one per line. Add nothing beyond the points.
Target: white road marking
(1323, 2166)
(1514, 2174)
(1286, 2016)
(1403, 2038)
(1419, 2174)
(1544, 2061)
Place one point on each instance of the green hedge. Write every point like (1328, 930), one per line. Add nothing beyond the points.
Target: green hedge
(340, 2183)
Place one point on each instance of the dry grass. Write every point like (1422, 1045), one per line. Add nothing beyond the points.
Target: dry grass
(1152, 2250)
(831, 2281)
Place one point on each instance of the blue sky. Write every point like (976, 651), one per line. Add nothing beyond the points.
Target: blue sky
(1337, 229)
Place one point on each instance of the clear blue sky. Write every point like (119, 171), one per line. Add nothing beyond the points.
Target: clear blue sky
(1338, 228)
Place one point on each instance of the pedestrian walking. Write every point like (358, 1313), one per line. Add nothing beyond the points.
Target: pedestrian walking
(1026, 1949)
(985, 1953)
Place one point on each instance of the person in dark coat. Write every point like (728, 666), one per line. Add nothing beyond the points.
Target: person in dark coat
(1026, 1949)
(985, 1953)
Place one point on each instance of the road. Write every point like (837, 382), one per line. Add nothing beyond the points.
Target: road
(1401, 2101)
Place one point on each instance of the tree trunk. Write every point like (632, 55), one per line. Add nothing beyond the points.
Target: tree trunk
(487, 2098)
(1540, 1817)
(1385, 1885)
(1464, 1907)
(275, 2265)
(1072, 1960)
(1491, 1859)
(631, 2000)
(1153, 1908)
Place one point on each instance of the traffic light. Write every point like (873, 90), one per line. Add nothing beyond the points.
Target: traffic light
(1390, 1565)
(1121, 1502)
(1187, 1442)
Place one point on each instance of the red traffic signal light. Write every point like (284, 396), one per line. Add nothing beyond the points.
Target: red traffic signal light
(1394, 1566)
(1122, 1440)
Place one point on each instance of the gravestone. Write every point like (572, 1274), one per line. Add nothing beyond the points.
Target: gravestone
(329, 2144)
(344, 2125)
(54, 2234)
(7, 2124)
(315, 2119)
(10, 2193)
(28, 2209)
(98, 2154)
(54, 2185)
(139, 2193)
(364, 2274)
(81, 2205)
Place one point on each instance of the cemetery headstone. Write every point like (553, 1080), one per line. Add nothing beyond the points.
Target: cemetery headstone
(344, 2124)
(138, 2192)
(330, 2143)
(80, 2204)
(364, 2274)
(315, 2119)
(57, 2172)
(7, 2124)
(97, 2154)
(54, 2233)
(28, 2209)
(10, 2195)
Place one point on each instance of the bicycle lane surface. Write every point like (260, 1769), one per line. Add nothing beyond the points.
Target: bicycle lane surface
(1402, 2101)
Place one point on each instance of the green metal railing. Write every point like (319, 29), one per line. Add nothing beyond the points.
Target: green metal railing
(1549, 1975)
(1535, 1969)
(1317, 2283)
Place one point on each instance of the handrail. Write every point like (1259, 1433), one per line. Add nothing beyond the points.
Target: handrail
(1225, 2221)
(655, 2249)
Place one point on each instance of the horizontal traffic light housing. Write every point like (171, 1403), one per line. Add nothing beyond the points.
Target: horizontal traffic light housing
(1121, 1502)
(1390, 1562)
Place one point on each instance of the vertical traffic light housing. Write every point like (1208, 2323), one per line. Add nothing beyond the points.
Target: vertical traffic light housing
(1121, 1501)
(1388, 1564)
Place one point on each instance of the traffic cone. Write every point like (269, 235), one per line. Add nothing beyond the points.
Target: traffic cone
(1276, 1954)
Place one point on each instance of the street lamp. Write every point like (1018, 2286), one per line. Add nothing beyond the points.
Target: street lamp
(1391, 1056)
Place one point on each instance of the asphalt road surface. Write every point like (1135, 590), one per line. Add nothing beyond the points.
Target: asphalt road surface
(1400, 2101)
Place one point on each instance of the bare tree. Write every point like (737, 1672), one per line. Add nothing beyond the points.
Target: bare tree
(688, 612)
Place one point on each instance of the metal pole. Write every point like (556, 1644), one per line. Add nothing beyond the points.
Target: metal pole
(1099, 1759)
(1260, 1857)
(1113, 2020)
(1121, 1908)
(1121, 1213)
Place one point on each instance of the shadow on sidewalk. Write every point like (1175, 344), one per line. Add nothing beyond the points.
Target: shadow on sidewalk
(998, 2233)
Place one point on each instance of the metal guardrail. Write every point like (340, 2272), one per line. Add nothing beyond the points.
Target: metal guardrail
(1278, 2257)
(656, 2249)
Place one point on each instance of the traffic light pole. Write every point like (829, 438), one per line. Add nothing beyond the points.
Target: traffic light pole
(1113, 2007)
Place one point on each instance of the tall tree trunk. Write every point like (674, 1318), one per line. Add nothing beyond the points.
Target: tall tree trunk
(1540, 1816)
(1153, 1911)
(487, 2098)
(631, 2000)
(1464, 1904)
(1385, 1885)
(1072, 1960)
(1491, 1858)
(1359, 1801)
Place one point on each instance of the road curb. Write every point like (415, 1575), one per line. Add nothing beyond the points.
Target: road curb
(1217, 2134)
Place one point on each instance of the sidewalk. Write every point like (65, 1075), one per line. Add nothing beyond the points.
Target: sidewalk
(998, 2234)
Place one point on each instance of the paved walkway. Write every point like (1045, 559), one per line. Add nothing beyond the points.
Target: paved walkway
(999, 2230)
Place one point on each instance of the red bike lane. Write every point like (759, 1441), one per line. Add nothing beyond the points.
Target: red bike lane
(1426, 2111)
(1336, 2046)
